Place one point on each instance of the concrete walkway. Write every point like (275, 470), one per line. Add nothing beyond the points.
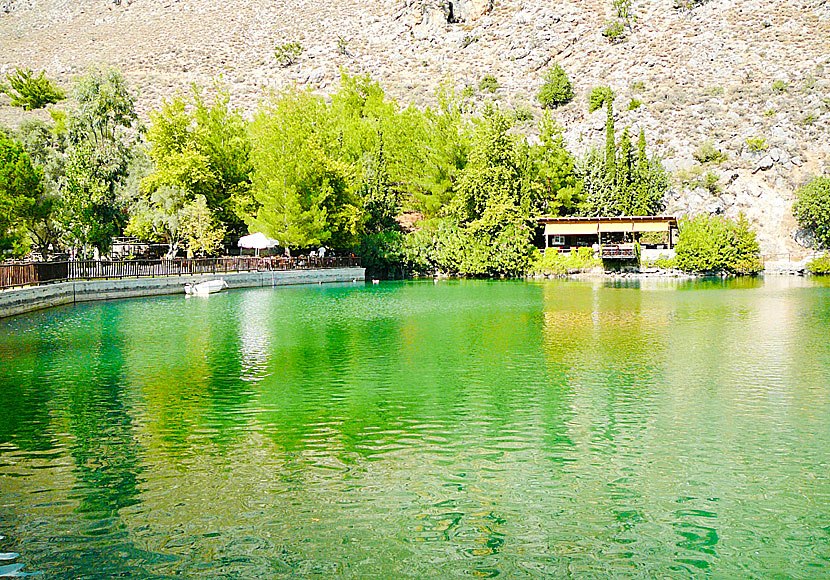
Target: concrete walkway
(21, 300)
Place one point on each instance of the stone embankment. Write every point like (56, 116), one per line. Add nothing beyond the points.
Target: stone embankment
(21, 300)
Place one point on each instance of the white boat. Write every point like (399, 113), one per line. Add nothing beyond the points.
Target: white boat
(205, 288)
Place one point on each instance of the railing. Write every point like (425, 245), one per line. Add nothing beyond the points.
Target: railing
(32, 273)
(618, 253)
(791, 256)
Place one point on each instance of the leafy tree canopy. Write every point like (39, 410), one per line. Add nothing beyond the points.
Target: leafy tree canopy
(812, 208)
(32, 92)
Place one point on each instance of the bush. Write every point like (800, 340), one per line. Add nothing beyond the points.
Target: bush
(598, 97)
(382, 254)
(342, 45)
(718, 244)
(634, 104)
(665, 263)
(523, 113)
(812, 208)
(623, 9)
(468, 40)
(553, 263)
(756, 143)
(32, 92)
(614, 31)
(708, 153)
(488, 84)
(820, 265)
(557, 89)
(780, 87)
(688, 4)
(287, 54)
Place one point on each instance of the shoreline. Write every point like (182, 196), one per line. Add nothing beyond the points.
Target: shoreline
(16, 301)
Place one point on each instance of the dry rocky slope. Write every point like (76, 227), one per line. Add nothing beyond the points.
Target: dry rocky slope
(705, 74)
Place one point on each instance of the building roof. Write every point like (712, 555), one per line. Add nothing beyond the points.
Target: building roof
(601, 224)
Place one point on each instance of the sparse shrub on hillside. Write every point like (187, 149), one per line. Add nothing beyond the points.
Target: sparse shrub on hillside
(688, 4)
(756, 144)
(488, 84)
(557, 89)
(718, 244)
(780, 87)
(634, 104)
(287, 54)
(698, 178)
(808, 119)
(614, 31)
(522, 113)
(623, 10)
(812, 208)
(769, 113)
(468, 40)
(342, 45)
(637, 87)
(708, 153)
(598, 97)
(31, 92)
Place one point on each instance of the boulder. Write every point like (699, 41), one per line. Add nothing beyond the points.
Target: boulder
(765, 163)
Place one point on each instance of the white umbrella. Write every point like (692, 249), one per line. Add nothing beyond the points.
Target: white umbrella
(257, 241)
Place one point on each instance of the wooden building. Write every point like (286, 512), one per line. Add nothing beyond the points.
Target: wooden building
(614, 237)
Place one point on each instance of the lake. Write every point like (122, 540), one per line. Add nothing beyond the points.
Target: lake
(419, 430)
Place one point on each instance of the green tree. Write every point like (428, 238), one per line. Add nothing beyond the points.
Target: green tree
(302, 188)
(610, 142)
(557, 89)
(202, 147)
(599, 96)
(380, 200)
(551, 184)
(32, 92)
(97, 158)
(622, 183)
(46, 146)
(650, 182)
(21, 190)
(443, 149)
(492, 171)
(492, 206)
(718, 244)
(812, 208)
(200, 229)
(89, 213)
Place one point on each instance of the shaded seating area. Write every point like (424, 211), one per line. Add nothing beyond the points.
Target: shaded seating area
(613, 238)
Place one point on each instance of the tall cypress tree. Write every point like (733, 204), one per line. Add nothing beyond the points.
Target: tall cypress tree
(610, 143)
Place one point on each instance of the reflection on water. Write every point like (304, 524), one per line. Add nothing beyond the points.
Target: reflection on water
(634, 429)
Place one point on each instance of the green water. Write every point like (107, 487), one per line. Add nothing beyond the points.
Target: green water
(426, 431)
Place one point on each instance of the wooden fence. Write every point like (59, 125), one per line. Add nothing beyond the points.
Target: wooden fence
(32, 273)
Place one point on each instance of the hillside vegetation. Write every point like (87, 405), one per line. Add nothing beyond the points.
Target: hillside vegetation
(734, 95)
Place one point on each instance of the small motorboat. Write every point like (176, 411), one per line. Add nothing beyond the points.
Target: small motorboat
(205, 288)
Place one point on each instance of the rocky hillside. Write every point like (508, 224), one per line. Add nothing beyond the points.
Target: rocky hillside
(750, 76)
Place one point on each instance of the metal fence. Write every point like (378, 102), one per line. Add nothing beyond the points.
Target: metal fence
(791, 257)
(32, 273)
